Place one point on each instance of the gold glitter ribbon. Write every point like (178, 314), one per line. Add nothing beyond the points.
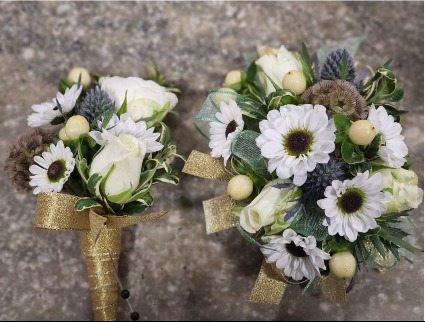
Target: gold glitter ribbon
(205, 166)
(218, 215)
(100, 244)
(269, 286)
(333, 288)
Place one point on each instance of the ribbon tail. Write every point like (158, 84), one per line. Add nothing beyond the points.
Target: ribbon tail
(333, 288)
(205, 166)
(270, 285)
(125, 221)
(218, 215)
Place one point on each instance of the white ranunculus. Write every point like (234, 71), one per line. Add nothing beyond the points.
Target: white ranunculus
(126, 153)
(403, 186)
(145, 98)
(276, 67)
(269, 206)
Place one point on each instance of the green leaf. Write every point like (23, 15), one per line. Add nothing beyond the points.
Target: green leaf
(251, 72)
(341, 245)
(341, 137)
(281, 97)
(379, 246)
(123, 108)
(86, 203)
(140, 194)
(64, 83)
(347, 150)
(82, 168)
(237, 165)
(236, 86)
(121, 198)
(307, 66)
(162, 176)
(276, 86)
(360, 167)
(58, 120)
(371, 151)
(134, 208)
(93, 182)
(397, 241)
(104, 179)
(107, 118)
(342, 123)
(165, 137)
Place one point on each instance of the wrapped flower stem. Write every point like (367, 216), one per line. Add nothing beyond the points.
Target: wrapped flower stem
(102, 256)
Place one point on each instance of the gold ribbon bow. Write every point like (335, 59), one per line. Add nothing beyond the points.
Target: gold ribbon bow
(271, 282)
(100, 244)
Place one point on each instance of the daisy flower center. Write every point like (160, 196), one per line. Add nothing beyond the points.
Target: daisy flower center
(56, 171)
(298, 142)
(295, 250)
(231, 127)
(351, 201)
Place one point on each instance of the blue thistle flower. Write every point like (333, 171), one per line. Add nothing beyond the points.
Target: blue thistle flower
(323, 175)
(332, 68)
(96, 105)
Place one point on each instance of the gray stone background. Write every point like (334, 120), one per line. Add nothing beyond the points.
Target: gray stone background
(173, 269)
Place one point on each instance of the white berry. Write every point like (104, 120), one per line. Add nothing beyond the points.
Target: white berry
(62, 135)
(362, 132)
(295, 81)
(232, 77)
(75, 73)
(343, 265)
(75, 126)
(240, 187)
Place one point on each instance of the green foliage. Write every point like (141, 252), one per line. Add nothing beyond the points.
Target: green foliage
(165, 137)
(107, 118)
(138, 206)
(93, 183)
(123, 107)
(281, 97)
(307, 66)
(383, 86)
(86, 203)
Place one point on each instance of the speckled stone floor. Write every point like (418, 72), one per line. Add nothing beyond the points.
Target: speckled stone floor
(173, 269)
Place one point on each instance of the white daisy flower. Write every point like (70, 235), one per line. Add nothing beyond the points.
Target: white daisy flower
(393, 149)
(223, 132)
(296, 255)
(352, 206)
(126, 125)
(68, 100)
(295, 139)
(45, 113)
(52, 169)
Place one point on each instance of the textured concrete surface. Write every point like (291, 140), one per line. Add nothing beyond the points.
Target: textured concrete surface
(173, 269)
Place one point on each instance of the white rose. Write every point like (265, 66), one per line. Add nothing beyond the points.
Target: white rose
(126, 153)
(145, 98)
(271, 204)
(403, 186)
(276, 67)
